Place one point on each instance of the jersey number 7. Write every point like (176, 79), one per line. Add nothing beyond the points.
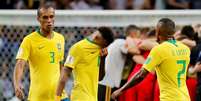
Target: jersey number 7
(181, 72)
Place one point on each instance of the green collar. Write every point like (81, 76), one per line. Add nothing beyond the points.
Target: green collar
(90, 41)
(39, 32)
(172, 41)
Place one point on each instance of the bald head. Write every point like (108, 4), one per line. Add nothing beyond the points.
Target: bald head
(165, 27)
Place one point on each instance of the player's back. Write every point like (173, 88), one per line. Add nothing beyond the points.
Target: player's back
(171, 72)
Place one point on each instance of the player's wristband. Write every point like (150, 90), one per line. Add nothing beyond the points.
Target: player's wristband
(58, 98)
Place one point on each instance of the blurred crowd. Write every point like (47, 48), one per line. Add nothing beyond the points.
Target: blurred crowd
(102, 4)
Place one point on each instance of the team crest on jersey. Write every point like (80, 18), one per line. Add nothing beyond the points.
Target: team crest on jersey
(59, 46)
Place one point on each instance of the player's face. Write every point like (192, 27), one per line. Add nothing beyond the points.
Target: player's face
(135, 33)
(46, 19)
(101, 41)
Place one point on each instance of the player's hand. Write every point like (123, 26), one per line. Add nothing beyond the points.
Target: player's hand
(191, 70)
(19, 91)
(103, 52)
(115, 94)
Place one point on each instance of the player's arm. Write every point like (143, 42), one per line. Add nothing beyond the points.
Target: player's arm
(65, 74)
(133, 51)
(147, 45)
(189, 43)
(153, 60)
(17, 78)
(102, 68)
(22, 57)
(69, 65)
(139, 59)
(137, 78)
(61, 63)
(129, 50)
(195, 69)
(103, 55)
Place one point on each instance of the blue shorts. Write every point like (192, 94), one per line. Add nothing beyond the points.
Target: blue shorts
(66, 99)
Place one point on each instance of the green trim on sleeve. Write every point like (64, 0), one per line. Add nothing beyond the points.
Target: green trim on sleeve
(148, 69)
(99, 60)
(148, 60)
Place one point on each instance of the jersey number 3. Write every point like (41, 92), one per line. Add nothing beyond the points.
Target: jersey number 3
(52, 57)
(181, 72)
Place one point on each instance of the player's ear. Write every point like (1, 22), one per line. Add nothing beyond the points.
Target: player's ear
(38, 17)
(96, 35)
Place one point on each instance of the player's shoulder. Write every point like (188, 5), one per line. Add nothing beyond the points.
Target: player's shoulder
(167, 45)
(78, 45)
(30, 35)
(183, 46)
(158, 47)
(58, 35)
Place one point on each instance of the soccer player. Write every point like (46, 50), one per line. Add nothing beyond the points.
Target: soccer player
(170, 60)
(115, 62)
(83, 60)
(142, 91)
(44, 51)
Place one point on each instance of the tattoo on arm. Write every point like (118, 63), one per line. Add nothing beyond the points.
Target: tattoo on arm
(137, 78)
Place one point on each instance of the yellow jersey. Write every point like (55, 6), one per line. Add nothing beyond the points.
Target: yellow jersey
(84, 59)
(170, 60)
(44, 57)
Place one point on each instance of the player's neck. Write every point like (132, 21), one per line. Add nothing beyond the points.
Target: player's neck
(166, 39)
(47, 34)
(91, 38)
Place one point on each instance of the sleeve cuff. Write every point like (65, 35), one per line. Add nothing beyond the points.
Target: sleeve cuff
(21, 58)
(69, 66)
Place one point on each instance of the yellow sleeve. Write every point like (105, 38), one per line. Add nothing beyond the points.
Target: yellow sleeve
(24, 50)
(73, 57)
(153, 60)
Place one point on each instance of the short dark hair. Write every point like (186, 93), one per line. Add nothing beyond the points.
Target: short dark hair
(167, 27)
(188, 31)
(107, 34)
(45, 6)
(131, 27)
(151, 33)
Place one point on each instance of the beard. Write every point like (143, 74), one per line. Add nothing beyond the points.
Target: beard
(48, 29)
